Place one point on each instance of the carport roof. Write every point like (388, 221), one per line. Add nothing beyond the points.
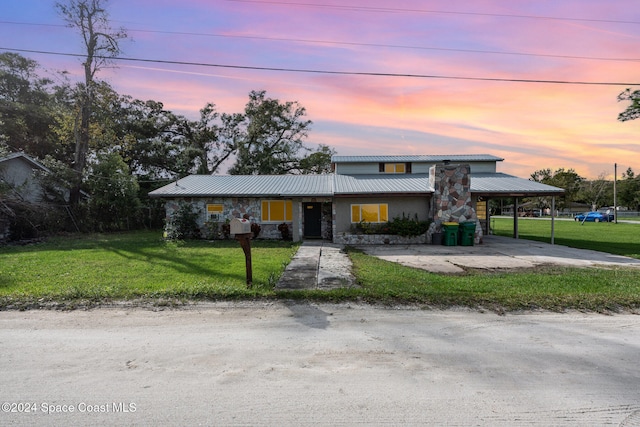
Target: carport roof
(500, 184)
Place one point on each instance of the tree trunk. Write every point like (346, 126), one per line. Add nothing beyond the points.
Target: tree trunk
(82, 147)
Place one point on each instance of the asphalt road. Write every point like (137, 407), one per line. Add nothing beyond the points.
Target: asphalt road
(306, 364)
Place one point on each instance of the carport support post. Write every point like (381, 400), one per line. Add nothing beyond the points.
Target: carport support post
(553, 217)
(515, 218)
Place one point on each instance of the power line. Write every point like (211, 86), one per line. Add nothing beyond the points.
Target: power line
(342, 43)
(330, 72)
(393, 46)
(428, 11)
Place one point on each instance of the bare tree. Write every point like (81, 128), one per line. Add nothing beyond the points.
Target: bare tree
(101, 44)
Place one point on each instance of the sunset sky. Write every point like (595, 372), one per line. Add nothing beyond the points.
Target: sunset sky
(401, 77)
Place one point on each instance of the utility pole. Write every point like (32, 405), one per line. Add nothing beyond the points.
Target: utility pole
(615, 198)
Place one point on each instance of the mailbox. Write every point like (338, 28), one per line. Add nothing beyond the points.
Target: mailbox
(240, 226)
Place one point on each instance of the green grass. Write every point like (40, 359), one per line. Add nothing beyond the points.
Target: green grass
(550, 288)
(546, 288)
(619, 239)
(85, 270)
(137, 265)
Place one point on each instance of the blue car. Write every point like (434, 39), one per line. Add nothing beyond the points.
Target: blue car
(594, 217)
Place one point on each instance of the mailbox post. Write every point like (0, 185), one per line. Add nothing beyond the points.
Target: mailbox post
(241, 228)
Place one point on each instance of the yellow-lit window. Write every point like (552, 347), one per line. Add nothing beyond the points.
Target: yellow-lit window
(370, 213)
(277, 210)
(481, 209)
(355, 213)
(214, 212)
(394, 168)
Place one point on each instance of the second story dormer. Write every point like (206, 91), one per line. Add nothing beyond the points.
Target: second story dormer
(412, 164)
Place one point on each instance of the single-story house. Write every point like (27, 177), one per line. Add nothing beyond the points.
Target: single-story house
(18, 183)
(370, 189)
(18, 173)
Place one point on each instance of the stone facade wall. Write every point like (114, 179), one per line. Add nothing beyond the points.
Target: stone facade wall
(233, 208)
(379, 239)
(327, 221)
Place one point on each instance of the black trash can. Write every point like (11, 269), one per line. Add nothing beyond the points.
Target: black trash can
(436, 239)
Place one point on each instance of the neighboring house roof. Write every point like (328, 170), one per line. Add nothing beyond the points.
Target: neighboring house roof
(503, 184)
(21, 156)
(487, 184)
(248, 185)
(454, 158)
(17, 170)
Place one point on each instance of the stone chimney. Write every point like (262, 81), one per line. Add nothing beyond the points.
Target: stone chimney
(452, 196)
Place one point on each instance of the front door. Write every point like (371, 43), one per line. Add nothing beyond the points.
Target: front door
(312, 220)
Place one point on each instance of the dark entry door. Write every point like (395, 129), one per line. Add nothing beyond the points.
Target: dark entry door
(312, 220)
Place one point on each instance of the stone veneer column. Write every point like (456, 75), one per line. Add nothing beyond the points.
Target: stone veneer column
(452, 196)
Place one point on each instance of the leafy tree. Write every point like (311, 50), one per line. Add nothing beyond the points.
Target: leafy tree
(597, 193)
(209, 141)
(270, 137)
(100, 43)
(318, 162)
(569, 180)
(114, 193)
(633, 111)
(26, 99)
(629, 190)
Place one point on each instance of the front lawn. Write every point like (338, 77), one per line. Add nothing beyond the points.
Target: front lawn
(620, 239)
(136, 265)
(549, 288)
(84, 270)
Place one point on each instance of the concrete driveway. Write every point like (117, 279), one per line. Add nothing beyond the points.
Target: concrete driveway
(287, 364)
(495, 253)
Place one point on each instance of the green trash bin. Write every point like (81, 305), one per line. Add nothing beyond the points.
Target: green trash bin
(450, 233)
(466, 233)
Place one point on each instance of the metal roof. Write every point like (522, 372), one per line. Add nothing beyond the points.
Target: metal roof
(248, 185)
(503, 184)
(454, 158)
(382, 184)
(25, 158)
(330, 185)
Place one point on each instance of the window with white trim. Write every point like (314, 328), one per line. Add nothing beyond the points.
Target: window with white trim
(277, 211)
(370, 212)
(395, 168)
(214, 212)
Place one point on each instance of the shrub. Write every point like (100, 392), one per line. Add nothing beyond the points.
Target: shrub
(284, 230)
(255, 229)
(405, 226)
(225, 229)
(211, 230)
(183, 224)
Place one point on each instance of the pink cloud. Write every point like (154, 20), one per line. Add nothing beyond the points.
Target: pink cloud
(532, 125)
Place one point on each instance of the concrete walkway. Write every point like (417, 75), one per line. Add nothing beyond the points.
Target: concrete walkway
(318, 265)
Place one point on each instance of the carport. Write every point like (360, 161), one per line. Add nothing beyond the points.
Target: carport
(485, 187)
